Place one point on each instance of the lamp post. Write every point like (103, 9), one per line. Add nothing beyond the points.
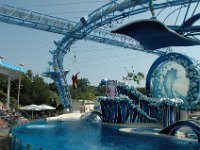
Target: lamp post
(1, 58)
(19, 86)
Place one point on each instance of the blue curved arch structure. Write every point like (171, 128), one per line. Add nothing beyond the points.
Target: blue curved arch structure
(104, 15)
(193, 124)
(156, 78)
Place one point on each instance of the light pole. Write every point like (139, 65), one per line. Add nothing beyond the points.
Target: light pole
(1, 58)
(19, 86)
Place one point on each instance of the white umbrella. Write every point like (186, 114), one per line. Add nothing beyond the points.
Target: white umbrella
(32, 108)
(46, 107)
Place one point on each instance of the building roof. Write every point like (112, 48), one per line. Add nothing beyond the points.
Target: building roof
(10, 70)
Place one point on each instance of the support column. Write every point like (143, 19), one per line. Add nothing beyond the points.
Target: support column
(8, 92)
(18, 94)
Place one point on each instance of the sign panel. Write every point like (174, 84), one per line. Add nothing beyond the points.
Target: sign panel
(111, 88)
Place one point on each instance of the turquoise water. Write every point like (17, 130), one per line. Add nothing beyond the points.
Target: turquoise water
(83, 135)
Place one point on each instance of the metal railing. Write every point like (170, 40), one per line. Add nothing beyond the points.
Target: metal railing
(18, 144)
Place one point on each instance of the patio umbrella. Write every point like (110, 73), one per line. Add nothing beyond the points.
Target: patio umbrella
(46, 107)
(31, 107)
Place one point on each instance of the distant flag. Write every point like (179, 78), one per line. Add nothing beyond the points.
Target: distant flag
(74, 80)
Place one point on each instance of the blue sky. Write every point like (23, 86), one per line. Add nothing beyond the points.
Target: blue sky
(94, 61)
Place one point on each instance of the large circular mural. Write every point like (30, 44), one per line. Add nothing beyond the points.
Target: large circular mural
(174, 75)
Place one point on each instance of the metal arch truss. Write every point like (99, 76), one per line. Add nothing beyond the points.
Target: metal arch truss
(87, 28)
(112, 11)
(31, 19)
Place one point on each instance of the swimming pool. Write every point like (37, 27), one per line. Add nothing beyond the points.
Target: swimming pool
(79, 134)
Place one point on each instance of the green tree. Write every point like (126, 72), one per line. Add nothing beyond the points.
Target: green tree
(83, 84)
(3, 83)
(82, 87)
(2, 96)
(101, 91)
(136, 77)
(53, 87)
(54, 99)
(89, 96)
(29, 74)
(33, 90)
(132, 76)
(84, 90)
(41, 89)
(3, 91)
(27, 92)
(13, 103)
